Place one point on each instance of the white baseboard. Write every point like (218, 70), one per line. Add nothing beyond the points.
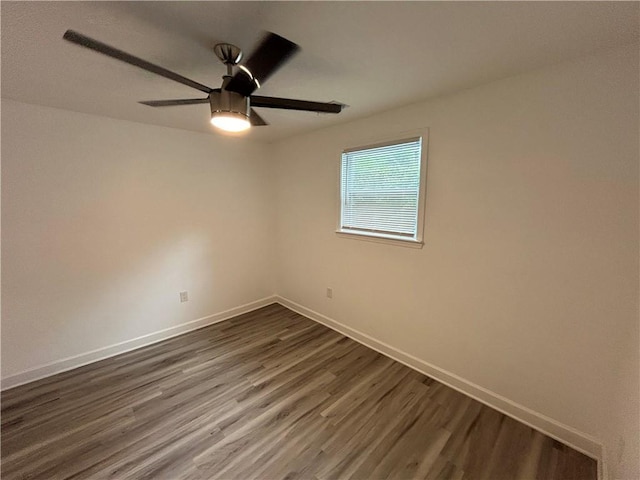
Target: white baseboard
(564, 433)
(76, 361)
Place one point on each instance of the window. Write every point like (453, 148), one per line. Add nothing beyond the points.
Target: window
(382, 190)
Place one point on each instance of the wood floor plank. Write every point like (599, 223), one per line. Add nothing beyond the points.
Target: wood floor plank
(265, 395)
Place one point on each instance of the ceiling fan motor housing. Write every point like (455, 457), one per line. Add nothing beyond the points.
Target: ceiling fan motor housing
(226, 101)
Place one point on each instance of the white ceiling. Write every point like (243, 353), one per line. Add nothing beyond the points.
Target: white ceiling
(370, 55)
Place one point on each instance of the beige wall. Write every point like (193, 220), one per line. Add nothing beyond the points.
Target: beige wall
(527, 284)
(105, 221)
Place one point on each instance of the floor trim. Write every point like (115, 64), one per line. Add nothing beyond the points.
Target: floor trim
(578, 440)
(76, 361)
(564, 433)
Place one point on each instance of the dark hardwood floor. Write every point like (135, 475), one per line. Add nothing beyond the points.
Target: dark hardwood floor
(269, 395)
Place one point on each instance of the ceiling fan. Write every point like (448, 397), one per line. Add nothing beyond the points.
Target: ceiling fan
(231, 105)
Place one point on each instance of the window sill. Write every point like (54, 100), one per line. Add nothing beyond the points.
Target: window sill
(388, 239)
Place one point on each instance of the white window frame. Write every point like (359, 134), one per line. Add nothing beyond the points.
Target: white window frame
(415, 242)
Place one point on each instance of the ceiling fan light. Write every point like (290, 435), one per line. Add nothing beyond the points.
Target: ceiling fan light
(230, 121)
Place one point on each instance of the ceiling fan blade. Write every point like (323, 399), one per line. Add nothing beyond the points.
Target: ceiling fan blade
(291, 104)
(84, 41)
(173, 103)
(256, 120)
(270, 55)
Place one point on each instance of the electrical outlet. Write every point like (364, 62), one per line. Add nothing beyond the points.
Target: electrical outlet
(329, 292)
(184, 297)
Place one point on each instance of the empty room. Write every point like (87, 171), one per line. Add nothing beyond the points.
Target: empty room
(320, 240)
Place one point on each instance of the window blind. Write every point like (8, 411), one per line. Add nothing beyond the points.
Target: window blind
(381, 188)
